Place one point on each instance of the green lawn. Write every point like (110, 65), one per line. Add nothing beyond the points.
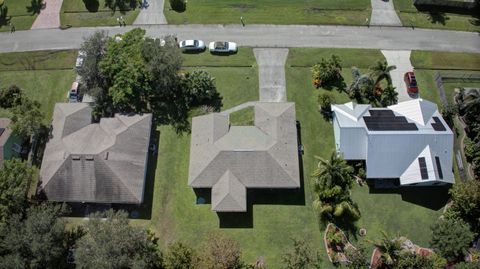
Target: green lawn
(349, 12)
(22, 16)
(243, 58)
(44, 76)
(243, 117)
(445, 60)
(75, 13)
(410, 16)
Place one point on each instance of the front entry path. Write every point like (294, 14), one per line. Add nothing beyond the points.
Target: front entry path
(152, 14)
(271, 74)
(49, 17)
(401, 59)
(383, 13)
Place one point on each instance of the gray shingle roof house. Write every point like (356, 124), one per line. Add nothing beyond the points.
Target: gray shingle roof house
(230, 159)
(95, 162)
(408, 141)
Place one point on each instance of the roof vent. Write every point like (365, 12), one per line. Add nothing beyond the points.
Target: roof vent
(76, 157)
(106, 155)
(89, 157)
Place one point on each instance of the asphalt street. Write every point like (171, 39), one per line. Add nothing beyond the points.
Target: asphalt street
(374, 37)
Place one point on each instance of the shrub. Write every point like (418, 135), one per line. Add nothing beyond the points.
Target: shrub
(325, 100)
(327, 71)
(178, 5)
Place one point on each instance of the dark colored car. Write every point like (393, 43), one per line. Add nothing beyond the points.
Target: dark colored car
(412, 87)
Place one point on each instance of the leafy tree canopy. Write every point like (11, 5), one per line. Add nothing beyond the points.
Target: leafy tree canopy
(301, 256)
(220, 252)
(451, 238)
(27, 118)
(179, 256)
(113, 243)
(466, 202)
(15, 177)
(36, 241)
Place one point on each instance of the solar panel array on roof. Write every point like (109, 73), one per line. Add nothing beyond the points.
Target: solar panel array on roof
(423, 167)
(385, 120)
(1, 131)
(437, 125)
(439, 167)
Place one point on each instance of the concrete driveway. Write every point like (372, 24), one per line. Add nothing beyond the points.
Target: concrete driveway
(49, 17)
(401, 59)
(153, 14)
(271, 74)
(383, 13)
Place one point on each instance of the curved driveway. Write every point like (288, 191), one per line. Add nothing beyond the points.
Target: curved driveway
(394, 38)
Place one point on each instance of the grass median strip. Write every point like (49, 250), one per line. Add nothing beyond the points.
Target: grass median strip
(445, 60)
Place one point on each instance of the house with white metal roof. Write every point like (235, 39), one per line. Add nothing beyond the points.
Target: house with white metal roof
(409, 141)
(231, 159)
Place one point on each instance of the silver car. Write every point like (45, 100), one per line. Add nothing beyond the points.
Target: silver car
(191, 45)
(222, 47)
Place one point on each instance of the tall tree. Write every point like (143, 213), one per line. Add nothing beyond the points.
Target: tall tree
(15, 178)
(10, 97)
(114, 243)
(35, 242)
(220, 252)
(301, 256)
(27, 118)
(451, 238)
(179, 256)
(465, 197)
(94, 48)
(202, 89)
(389, 96)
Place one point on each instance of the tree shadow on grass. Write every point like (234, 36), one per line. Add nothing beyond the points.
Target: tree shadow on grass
(91, 5)
(437, 17)
(432, 197)
(35, 6)
(338, 84)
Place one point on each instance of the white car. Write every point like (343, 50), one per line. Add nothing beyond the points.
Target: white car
(223, 47)
(80, 59)
(191, 45)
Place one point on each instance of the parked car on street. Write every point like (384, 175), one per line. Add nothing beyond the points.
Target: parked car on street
(80, 60)
(72, 94)
(222, 47)
(412, 87)
(191, 45)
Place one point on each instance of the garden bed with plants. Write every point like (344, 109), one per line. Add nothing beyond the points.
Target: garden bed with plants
(336, 243)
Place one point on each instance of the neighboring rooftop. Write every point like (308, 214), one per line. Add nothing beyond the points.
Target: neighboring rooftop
(230, 159)
(409, 141)
(5, 134)
(95, 162)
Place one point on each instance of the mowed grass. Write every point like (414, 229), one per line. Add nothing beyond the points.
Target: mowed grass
(75, 13)
(411, 16)
(243, 58)
(243, 117)
(44, 76)
(349, 12)
(445, 60)
(21, 15)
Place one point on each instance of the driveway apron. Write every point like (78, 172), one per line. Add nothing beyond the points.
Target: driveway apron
(49, 17)
(383, 13)
(401, 59)
(271, 72)
(152, 14)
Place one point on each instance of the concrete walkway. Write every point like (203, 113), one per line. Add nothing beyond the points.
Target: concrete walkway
(153, 14)
(239, 107)
(50, 16)
(271, 74)
(401, 59)
(262, 36)
(383, 13)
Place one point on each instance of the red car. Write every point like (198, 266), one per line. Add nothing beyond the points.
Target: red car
(411, 82)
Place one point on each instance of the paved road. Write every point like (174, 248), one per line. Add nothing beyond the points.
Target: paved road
(153, 14)
(401, 59)
(392, 38)
(383, 13)
(271, 74)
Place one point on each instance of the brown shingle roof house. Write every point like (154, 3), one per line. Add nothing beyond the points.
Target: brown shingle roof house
(101, 162)
(230, 159)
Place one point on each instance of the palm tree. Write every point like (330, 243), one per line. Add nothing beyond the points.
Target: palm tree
(333, 172)
(390, 248)
(389, 96)
(381, 70)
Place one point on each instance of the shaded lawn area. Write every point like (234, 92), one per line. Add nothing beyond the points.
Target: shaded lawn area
(75, 13)
(410, 15)
(349, 12)
(445, 60)
(44, 76)
(21, 15)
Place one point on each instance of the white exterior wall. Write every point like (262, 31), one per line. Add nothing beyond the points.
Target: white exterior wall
(353, 144)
